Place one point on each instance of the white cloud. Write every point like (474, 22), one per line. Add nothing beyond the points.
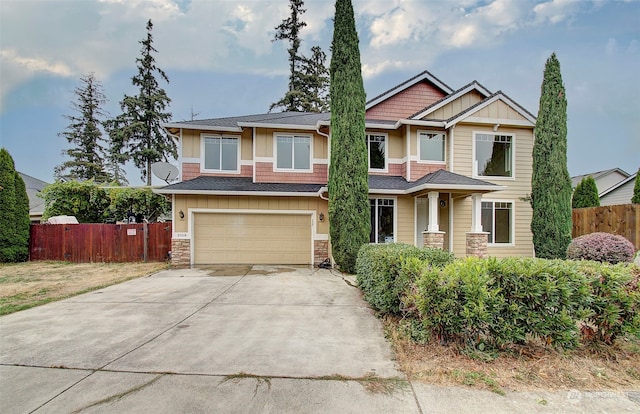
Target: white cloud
(555, 11)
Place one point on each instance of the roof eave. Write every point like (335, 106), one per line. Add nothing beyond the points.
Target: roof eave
(201, 127)
(237, 193)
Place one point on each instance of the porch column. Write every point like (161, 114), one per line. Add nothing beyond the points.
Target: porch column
(477, 239)
(433, 237)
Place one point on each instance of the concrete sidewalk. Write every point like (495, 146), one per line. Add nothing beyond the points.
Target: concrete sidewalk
(234, 339)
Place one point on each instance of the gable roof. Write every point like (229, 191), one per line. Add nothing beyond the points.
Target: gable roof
(34, 186)
(424, 76)
(498, 96)
(598, 174)
(475, 85)
(618, 185)
(437, 180)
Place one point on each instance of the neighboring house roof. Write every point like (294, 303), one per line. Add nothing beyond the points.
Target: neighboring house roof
(407, 84)
(620, 193)
(34, 186)
(598, 175)
(438, 180)
(238, 185)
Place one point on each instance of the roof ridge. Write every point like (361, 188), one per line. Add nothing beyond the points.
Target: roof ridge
(444, 98)
(424, 72)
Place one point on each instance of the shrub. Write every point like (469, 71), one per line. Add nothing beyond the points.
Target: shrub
(601, 247)
(503, 301)
(379, 275)
(615, 307)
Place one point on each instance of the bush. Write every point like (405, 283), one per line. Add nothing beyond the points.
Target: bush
(601, 247)
(615, 307)
(379, 275)
(502, 301)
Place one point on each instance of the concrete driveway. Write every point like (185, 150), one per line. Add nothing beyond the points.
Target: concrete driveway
(226, 339)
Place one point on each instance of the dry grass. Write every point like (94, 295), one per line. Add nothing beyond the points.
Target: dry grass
(613, 368)
(25, 285)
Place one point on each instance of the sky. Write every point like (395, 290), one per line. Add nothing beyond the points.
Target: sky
(221, 61)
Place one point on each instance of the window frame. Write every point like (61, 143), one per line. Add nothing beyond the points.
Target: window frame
(386, 151)
(203, 144)
(512, 223)
(475, 162)
(444, 146)
(374, 226)
(293, 163)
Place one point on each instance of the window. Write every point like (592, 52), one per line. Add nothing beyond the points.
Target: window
(382, 220)
(431, 146)
(377, 149)
(497, 221)
(293, 152)
(494, 155)
(221, 153)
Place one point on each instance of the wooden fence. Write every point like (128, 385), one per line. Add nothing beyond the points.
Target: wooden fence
(621, 219)
(86, 243)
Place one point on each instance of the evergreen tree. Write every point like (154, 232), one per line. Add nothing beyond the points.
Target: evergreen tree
(550, 182)
(136, 134)
(315, 85)
(349, 211)
(586, 194)
(636, 189)
(14, 212)
(85, 134)
(308, 77)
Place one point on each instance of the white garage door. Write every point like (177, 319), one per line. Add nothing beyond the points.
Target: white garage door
(235, 238)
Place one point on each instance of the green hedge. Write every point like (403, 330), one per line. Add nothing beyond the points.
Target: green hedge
(501, 302)
(378, 271)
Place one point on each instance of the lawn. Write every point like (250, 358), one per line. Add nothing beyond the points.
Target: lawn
(25, 285)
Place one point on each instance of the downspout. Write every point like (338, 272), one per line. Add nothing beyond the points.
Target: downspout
(408, 152)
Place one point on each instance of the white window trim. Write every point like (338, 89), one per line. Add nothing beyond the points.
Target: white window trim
(512, 224)
(203, 137)
(292, 169)
(474, 163)
(444, 136)
(386, 152)
(395, 214)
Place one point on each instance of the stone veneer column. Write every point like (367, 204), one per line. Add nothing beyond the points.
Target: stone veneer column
(433, 239)
(477, 244)
(180, 252)
(320, 251)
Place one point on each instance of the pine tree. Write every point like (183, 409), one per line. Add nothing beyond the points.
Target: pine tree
(315, 85)
(84, 132)
(136, 134)
(308, 80)
(586, 194)
(349, 214)
(14, 212)
(550, 182)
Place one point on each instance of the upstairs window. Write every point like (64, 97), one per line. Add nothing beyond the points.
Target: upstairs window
(377, 150)
(431, 146)
(293, 152)
(493, 155)
(221, 153)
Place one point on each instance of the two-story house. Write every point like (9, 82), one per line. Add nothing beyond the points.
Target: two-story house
(447, 168)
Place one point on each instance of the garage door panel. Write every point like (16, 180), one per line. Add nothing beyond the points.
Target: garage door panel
(252, 238)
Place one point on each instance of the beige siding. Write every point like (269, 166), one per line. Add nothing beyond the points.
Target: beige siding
(190, 143)
(246, 145)
(499, 110)
(186, 202)
(405, 220)
(621, 195)
(517, 188)
(456, 106)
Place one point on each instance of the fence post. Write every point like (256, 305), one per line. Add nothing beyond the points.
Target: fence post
(145, 228)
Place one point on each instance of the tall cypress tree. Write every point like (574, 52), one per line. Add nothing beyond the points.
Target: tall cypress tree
(14, 212)
(85, 134)
(136, 134)
(550, 182)
(349, 214)
(635, 199)
(586, 194)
